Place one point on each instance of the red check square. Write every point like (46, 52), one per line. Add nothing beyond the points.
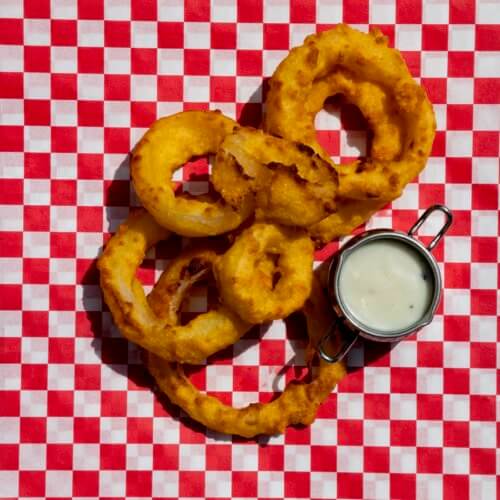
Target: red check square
(59, 456)
(32, 483)
(11, 31)
(85, 483)
(36, 112)
(37, 9)
(63, 32)
(113, 456)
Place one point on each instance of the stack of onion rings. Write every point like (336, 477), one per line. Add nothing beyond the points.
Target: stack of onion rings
(273, 195)
(138, 321)
(297, 404)
(288, 182)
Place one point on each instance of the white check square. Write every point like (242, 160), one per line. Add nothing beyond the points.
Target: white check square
(112, 483)
(460, 90)
(484, 223)
(245, 457)
(32, 456)
(117, 61)
(59, 483)
(90, 33)
(90, 193)
(192, 457)
(376, 433)
(196, 35)
(165, 484)
(36, 31)
(9, 484)
(218, 484)
(459, 143)
(35, 244)
(483, 381)
(223, 11)
(434, 64)
(139, 456)
(487, 12)
(403, 459)
(87, 403)
(113, 430)
(223, 62)
(485, 171)
(143, 88)
(382, 11)
(430, 433)
(86, 456)
(297, 458)
(276, 11)
(60, 430)
(196, 88)
(455, 460)
(169, 10)
(461, 37)
(249, 36)
(408, 37)
(270, 484)
(435, 11)
(457, 302)
(64, 113)
(456, 407)
(429, 380)
(487, 64)
(144, 34)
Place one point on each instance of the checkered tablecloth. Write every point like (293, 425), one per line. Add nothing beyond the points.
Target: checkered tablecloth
(80, 81)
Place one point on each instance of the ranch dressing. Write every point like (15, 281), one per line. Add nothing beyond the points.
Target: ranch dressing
(386, 285)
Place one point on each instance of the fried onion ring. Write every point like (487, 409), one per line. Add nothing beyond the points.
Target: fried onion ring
(336, 61)
(243, 289)
(168, 144)
(291, 185)
(297, 404)
(137, 320)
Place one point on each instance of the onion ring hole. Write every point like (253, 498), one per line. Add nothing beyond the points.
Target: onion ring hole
(342, 130)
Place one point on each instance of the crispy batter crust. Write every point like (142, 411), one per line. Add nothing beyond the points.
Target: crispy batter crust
(255, 299)
(289, 183)
(168, 144)
(344, 60)
(297, 404)
(137, 320)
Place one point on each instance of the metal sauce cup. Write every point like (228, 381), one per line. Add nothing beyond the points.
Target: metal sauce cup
(352, 328)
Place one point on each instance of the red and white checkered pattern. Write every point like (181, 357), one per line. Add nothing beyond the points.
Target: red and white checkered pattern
(80, 81)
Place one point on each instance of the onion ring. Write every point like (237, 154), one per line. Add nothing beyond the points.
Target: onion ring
(168, 144)
(245, 292)
(291, 185)
(297, 404)
(137, 320)
(366, 58)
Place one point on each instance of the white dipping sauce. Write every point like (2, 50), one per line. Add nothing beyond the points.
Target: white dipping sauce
(386, 285)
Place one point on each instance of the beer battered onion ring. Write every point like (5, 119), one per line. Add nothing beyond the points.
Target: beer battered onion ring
(297, 404)
(243, 290)
(291, 108)
(168, 144)
(137, 320)
(375, 104)
(290, 184)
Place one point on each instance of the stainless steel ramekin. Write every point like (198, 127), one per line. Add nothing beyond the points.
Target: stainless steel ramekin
(347, 323)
